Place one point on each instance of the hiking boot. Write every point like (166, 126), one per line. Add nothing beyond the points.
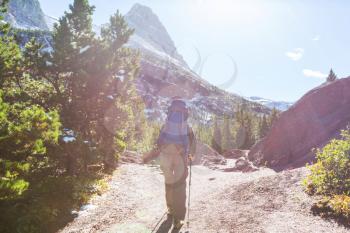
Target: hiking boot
(178, 224)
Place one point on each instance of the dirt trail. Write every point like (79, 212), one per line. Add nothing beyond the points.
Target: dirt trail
(222, 202)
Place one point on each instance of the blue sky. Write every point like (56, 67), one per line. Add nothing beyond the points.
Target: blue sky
(282, 48)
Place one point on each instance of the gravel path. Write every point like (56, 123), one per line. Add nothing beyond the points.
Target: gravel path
(262, 201)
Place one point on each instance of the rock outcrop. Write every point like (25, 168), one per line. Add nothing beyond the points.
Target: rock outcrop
(150, 33)
(311, 122)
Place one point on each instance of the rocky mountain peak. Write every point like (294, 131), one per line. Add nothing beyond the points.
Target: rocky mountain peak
(150, 33)
(26, 14)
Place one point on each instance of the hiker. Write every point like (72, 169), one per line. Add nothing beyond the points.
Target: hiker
(176, 145)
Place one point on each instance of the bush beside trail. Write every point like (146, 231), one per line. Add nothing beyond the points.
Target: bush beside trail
(329, 179)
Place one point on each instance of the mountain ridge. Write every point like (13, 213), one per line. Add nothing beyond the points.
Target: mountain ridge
(279, 105)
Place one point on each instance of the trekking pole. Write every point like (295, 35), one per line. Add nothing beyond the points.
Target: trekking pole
(189, 195)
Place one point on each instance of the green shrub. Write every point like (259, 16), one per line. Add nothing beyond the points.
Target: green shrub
(330, 178)
(25, 134)
(330, 175)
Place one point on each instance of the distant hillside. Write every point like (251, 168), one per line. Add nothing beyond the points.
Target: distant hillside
(280, 105)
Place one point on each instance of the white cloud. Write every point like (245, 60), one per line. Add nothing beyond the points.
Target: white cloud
(296, 54)
(314, 74)
(316, 38)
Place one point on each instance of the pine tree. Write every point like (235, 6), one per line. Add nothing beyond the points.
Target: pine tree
(245, 134)
(273, 117)
(9, 51)
(331, 77)
(227, 138)
(263, 127)
(216, 142)
(93, 82)
(25, 133)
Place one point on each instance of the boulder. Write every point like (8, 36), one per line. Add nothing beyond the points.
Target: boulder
(207, 156)
(310, 123)
(242, 164)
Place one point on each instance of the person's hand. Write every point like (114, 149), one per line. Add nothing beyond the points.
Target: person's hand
(147, 157)
(191, 157)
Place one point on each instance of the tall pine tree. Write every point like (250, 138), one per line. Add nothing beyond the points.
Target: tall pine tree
(92, 83)
(331, 77)
(263, 127)
(216, 142)
(227, 138)
(245, 133)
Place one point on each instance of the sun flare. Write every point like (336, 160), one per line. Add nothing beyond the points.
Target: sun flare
(229, 11)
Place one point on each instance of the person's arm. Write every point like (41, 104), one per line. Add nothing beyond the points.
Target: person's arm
(153, 154)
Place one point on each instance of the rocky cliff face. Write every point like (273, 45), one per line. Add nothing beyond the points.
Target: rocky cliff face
(150, 33)
(26, 14)
(311, 122)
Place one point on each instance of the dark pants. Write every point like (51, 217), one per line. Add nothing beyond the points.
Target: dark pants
(174, 167)
(175, 196)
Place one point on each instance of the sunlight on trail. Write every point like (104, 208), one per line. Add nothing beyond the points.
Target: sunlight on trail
(143, 215)
(131, 228)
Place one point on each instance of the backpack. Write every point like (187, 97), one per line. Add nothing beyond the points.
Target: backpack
(176, 129)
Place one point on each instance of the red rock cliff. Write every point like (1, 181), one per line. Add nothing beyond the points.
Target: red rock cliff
(315, 119)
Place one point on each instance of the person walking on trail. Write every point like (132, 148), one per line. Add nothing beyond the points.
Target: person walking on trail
(176, 145)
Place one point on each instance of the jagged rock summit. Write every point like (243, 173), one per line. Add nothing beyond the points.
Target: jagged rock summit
(26, 14)
(150, 33)
(310, 123)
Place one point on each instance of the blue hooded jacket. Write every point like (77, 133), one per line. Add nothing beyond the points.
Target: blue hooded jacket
(176, 129)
